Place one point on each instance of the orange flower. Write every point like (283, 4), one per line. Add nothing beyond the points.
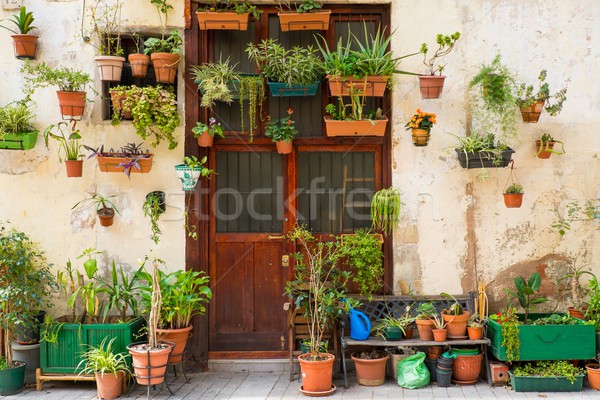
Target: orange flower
(290, 111)
(418, 110)
(289, 121)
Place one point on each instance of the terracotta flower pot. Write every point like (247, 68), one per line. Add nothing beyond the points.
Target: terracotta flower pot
(355, 128)
(293, 21)
(456, 324)
(370, 372)
(408, 333)
(466, 368)
(513, 200)
(165, 66)
(117, 101)
(222, 20)
(439, 335)
(316, 375)
(149, 365)
(72, 104)
(575, 313)
(179, 337)
(371, 86)
(139, 65)
(431, 86)
(284, 147)
(25, 45)
(593, 371)
(424, 326)
(74, 168)
(110, 386)
(544, 154)
(532, 113)
(106, 216)
(434, 352)
(110, 68)
(475, 333)
(420, 137)
(205, 139)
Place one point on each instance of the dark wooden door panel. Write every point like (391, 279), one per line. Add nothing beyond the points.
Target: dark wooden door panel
(269, 281)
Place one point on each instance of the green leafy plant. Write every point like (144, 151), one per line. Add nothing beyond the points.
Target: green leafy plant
(103, 359)
(402, 322)
(318, 285)
(475, 321)
(547, 143)
(152, 209)
(154, 112)
(16, 118)
(525, 292)
(385, 209)
(363, 253)
(213, 128)
(421, 120)
(592, 312)
(295, 66)
(514, 188)
(426, 310)
(453, 309)
(67, 79)
(300, 6)
(251, 88)
(576, 212)
(22, 21)
(237, 6)
(193, 163)
(509, 324)
(570, 283)
(69, 146)
(173, 44)
(283, 129)
(103, 205)
(162, 7)
(445, 45)
(549, 369)
(483, 145)
(216, 81)
(553, 102)
(122, 293)
(88, 293)
(105, 27)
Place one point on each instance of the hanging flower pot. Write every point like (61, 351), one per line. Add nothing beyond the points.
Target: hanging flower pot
(355, 128)
(74, 168)
(165, 66)
(370, 86)
(296, 21)
(513, 194)
(421, 124)
(420, 137)
(189, 177)
(513, 200)
(25, 46)
(222, 20)
(106, 216)
(531, 114)
(284, 147)
(72, 104)
(139, 65)
(110, 68)
(431, 86)
(162, 207)
(205, 133)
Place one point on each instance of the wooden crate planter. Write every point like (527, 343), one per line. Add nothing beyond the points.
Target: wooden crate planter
(547, 342)
(293, 21)
(370, 86)
(21, 141)
(230, 21)
(483, 159)
(63, 356)
(115, 164)
(355, 128)
(545, 383)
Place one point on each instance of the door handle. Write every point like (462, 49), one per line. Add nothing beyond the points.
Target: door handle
(276, 237)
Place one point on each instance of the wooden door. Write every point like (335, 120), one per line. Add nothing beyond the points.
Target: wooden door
(246, 269)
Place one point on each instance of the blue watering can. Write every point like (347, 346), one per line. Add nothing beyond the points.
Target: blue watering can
(360, 326)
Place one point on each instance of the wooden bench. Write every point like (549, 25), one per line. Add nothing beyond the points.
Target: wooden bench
(380, 306)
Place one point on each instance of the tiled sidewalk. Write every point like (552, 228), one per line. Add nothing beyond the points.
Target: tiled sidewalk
(276, 385)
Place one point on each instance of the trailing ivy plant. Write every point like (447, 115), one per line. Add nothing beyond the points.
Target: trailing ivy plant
(152, 209)
(576, 212)
(364, 255)
(509, 325)
(252, 89)
(385, 209)
(549, 369)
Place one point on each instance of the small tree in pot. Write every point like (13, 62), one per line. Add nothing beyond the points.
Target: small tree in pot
(432, 84)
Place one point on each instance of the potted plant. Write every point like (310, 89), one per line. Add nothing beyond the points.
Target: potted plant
(227, 15)
(105, 208)
(513, 196)
(421, 124)
(108, 367)
(16, 126)
(475, 327)
(366, 71)
(394, 328)
(206, 133)
(290, 72)
(478, 151)
(425, 320)
(303, 15)
(317, 288)
(432, 84)
(26, 284)
(150, 358)
(25, 44)
(139, 61)
(592, 313)
(593, 372)
(282, 132)
(153, 207)
(545, 146)
(456, 318)
(354, 122)
(532, 104)
(154, 113)
(129, 158)
(105, 31)
(494, 101)
(184, 295)
(547, 376)
(68, 146)
(439, 328)
(370, 367)
(385, 209)
(362, 250)
(191, 170)
(578, 292)
(71, 83)
(165, 55)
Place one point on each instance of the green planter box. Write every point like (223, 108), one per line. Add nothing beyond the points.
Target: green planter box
(23, 141)
(544, 383)
(63, 356)
(547, 342)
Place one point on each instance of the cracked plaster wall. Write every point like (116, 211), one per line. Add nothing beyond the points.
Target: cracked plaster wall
(455, 228)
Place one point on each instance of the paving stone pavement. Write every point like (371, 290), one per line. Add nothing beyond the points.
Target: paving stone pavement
(276, 385)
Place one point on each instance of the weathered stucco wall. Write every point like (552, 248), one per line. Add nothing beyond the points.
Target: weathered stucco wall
(455, 229)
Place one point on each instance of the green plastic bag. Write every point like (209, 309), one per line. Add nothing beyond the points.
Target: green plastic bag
(412, 372)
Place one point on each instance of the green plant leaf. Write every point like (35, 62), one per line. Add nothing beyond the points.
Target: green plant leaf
(535, 281)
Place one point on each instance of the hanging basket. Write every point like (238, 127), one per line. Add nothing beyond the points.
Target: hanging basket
(512, 200)
(420, 137)
(293, 21)
(431, 86)
(531, 114)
